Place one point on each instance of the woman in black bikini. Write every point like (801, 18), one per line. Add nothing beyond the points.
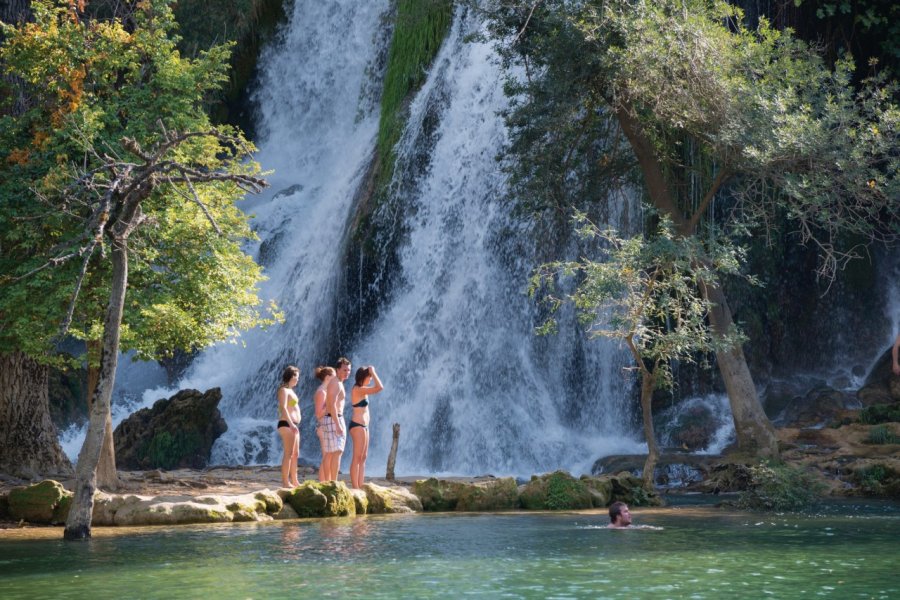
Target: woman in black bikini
(367, 384)
(289, 425)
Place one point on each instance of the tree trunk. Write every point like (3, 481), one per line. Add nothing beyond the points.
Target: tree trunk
(392, 456)
(13, 11)
(647, 415)
(78, 524)
(755, 433)
(29, 443)
(107, 477)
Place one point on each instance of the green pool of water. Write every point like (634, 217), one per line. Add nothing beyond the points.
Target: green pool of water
(843, 551)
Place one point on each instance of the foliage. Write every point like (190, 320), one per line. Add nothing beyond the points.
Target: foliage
(714, 110)
(99, 91)
(562, 490)
(645, 292)
(870, 20)
(166, 450)
(882, 434)
(880, 413)
(780, 487)
(421, 26)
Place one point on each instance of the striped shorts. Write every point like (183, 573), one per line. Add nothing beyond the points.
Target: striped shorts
(332, 441)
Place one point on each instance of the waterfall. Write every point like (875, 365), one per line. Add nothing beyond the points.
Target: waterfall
(473, 388)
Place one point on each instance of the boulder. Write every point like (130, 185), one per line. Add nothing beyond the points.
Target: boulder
(629, 488)
(728, 477)
(391, 499)
(286, 512)
(133, 510)
(881, 385)
(497, 494)
(174, 433)
(437, 495)
(693, 428)
(600, 488)
(555, 491)
(320, 499)
(44, 502)
(817, 408)
(360, 501)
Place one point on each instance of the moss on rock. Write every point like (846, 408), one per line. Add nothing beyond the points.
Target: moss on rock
(437, 495)
(391, 499)
(600, 489)
(322, 499)
(40, 503)
(272, 501)
(499, 494)
(555, 491)
(361, 501)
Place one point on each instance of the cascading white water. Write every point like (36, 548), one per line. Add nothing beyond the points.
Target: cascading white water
(471, 385)
(317, 100)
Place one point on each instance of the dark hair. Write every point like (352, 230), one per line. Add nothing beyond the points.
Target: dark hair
(341, 362)
(322, 372)
(288, 374)
(615, 509)
(361, 374)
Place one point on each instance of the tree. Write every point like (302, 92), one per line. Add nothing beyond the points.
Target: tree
(713, 118)
(119, 221)
(645, 293)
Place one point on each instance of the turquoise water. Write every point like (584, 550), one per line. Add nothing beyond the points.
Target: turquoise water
(845, 551)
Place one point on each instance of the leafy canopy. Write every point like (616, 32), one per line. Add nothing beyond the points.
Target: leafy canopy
(83, 89)
(750, 118)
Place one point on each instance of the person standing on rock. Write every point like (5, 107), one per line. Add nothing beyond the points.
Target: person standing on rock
(289, 425)
(325, 375)
(367, 384)
(334, 435)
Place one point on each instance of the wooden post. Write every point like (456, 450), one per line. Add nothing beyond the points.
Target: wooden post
(392, 457)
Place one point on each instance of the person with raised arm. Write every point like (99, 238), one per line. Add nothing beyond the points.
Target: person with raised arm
(367, 384)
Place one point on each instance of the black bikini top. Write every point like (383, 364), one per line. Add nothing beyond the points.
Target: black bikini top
(362, 403)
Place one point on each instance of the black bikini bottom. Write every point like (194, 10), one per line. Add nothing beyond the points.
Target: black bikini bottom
(355, 424)
(283, 423)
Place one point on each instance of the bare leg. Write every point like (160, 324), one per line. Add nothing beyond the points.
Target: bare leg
(362, 460)
(287, 439)
(292, 475)
(358, 437)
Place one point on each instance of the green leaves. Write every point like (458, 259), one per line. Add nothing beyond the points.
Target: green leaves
(645, 292)
(101, 96)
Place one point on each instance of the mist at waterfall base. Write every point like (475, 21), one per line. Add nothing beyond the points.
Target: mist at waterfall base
(474, 389)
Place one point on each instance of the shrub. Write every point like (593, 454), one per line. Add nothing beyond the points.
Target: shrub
(780, 487)
(881, 434)
(880, 413)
